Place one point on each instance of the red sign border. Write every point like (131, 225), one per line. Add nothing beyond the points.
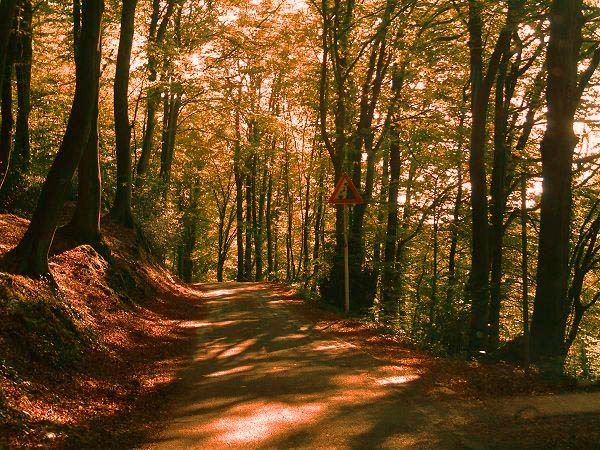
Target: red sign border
(357, 200)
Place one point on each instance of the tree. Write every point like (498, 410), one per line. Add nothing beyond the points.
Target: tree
(482, 81)
(30, 256)
(158, 30)
(121, 210)
(564, 89)
(84, 226)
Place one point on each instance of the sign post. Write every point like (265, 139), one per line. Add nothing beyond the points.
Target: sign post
(346, 268)
(345, 193)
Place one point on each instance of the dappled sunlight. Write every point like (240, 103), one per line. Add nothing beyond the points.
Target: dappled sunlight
(229, 371)
(274, 382)
(290, 337)
(256, 421)
(195, 324)
(237, 349)
(326, 347)
(219, 292)
(400, 379)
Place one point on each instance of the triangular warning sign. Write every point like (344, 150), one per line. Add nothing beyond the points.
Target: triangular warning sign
(345, 193)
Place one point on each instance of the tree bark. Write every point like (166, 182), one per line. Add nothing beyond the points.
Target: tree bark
(121, 210)
(478, 287)
(6, 106)
(557, 147)
(239, 200)
(156, 36)
(7, 14)
(23, 78)
(85, 224)
(389, 283)
(269, 225)
(171, 111)
(30, 256)
(497, 203)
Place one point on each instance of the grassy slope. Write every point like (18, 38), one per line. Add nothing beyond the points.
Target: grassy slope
(83, 363)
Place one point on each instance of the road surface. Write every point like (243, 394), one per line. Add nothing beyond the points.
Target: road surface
(261, 377)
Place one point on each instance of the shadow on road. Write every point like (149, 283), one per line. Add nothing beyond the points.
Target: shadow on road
(264, 378)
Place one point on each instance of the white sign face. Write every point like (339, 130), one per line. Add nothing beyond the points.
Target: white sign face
(342, 193)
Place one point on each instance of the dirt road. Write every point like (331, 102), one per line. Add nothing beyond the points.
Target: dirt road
(262, 377)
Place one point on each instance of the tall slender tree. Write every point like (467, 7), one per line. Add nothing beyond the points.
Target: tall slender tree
(121, 210)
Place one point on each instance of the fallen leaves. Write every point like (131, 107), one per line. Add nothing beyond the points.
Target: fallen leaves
(123, 324)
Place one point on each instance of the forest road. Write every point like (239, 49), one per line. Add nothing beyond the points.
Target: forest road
(261, 377)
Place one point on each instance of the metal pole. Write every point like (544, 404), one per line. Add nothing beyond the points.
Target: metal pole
(346, 270)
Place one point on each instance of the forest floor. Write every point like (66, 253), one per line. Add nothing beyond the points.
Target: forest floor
(120, 355)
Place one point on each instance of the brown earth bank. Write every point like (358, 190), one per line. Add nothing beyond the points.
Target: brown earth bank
(88, 358)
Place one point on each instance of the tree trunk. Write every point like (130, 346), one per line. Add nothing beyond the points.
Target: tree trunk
(7, 14)
(318, 223)
(239, 201)
(155, 39)
(30, 256)
(6, 129)
(85, 224)
(498, 203)
(121, 210)
(433, 303)
(258, 239)
(189, 233)
(248, 226)
(549, 316)
(478, 285)
(381, 213)
(269, 225)
(524, 273)
(389, 288)
(23, 78)
(172, 107)
(452, 278)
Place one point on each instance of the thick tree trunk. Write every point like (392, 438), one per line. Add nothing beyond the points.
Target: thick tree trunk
(31, 254)
(549, 315)
(85, 224)
(121, 210)
(478, 285)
